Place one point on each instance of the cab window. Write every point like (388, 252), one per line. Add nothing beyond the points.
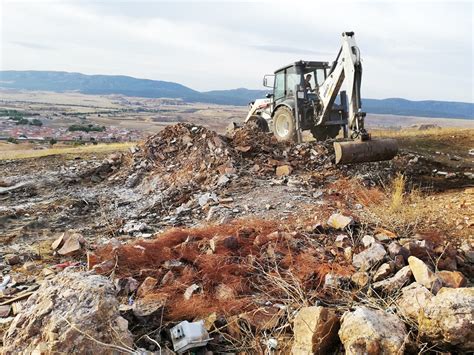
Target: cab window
(279, 89)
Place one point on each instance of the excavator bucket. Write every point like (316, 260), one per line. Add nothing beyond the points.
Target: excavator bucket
(365, 151)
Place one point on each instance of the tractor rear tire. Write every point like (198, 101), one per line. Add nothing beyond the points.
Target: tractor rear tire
(321, 133)
(284, 125)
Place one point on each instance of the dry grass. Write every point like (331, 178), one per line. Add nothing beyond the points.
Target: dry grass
(83, 149)
(413, 132)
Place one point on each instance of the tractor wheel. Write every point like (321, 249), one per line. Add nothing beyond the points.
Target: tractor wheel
(259, 122)
(284, 127)
(321, 133)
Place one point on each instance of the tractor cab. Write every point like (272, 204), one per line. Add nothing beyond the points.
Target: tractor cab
(295, 103)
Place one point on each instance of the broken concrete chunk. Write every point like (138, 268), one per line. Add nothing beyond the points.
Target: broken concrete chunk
(423, 275)
(413, 299)
(372, 332)
(73, 304)
(315, 330)
(449, 319)
(394, 283)
(369, 257)
(339, 221)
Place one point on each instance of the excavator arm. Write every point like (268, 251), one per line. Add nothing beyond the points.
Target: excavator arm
(347, 67)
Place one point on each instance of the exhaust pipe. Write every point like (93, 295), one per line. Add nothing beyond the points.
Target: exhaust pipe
(365, 151)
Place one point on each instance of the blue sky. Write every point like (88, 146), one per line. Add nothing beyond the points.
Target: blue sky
(412, 49)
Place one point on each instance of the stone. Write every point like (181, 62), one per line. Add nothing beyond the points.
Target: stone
(69, 243)
(348, 254)
(341, 240)
(167, 278)
(412, 300)
(126, 285)
(367, 240)
(339, 221)
(29, 266)
(360, 278)
(453, 279)
(334, 280)
(148, 308)
(224, 292)
(263, 318)
(204, 199)
(423, 275)
(5, 311)
(315, 331)
(449, 319)
(372, 332)
(383, 235)
(394, 283)
(12, 259)
(394, 249)
(190, 290)
(283, 170)
(383, 272)
(369, 257)
(147, 286)
(421, 249)
(71, 304)
(399, 261)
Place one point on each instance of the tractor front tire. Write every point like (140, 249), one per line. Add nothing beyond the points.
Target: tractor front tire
(321, 133)
(284, 125)
(258, 122)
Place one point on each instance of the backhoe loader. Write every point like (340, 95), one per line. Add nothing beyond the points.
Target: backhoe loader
(305, 97)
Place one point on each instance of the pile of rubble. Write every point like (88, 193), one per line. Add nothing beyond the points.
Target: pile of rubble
(256, 285)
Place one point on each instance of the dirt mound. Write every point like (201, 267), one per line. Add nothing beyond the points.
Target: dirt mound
(183, 153)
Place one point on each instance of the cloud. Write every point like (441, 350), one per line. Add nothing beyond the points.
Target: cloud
(416, 50)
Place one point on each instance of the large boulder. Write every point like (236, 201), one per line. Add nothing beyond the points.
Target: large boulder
(71, 313)
(449, 318)
(315, 330)
(371, 332)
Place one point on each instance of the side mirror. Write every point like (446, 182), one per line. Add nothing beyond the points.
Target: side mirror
(268, 81)
(269, 96)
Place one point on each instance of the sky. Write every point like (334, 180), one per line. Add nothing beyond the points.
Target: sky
(415, 49)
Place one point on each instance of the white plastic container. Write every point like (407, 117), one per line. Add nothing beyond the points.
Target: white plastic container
(188, 335)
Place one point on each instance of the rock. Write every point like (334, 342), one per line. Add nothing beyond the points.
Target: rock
(395, 282)
(204, 199)
(12, 259)
(369, 257)
(383, 272)
(283, 170)
(132, 227)
(5, 311)
(453, 279)
(395, 249)
(338, 221)
(421, 249)
(383, 235)
(449, 319)
(126, 285)
(190, 290)
(412, 300)
(68, 243)
(223, 180)
(29, 266)
(399, 261)
(263, 318)
(423, 275)
(69, 305)
(372, 332)
(147, 285)
(148, 308)
(341, 240)
(315, 331)
(348, 254)
(334, 280)
(360, 278)
(224, 292)
(367, 241)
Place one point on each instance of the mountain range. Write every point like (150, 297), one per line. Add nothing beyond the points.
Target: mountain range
(58, 81)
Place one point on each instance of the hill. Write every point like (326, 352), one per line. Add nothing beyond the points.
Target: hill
(129, 86)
